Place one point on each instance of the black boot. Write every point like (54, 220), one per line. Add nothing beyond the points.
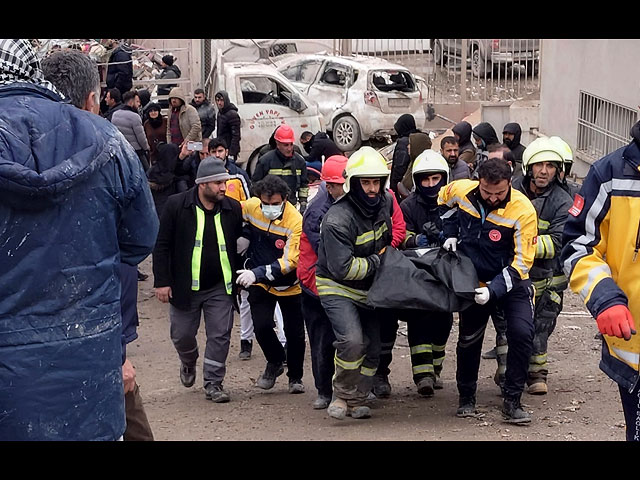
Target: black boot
(512, 411)
(245, 349)
(467, 407)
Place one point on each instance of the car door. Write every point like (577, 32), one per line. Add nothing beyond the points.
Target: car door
(329, 90)
(302, 74)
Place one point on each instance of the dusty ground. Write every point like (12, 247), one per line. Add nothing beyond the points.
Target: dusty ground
(582, 403)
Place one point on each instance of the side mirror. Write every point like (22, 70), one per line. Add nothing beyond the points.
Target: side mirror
(296, 103)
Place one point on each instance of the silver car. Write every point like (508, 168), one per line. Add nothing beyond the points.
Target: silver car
(359, 97)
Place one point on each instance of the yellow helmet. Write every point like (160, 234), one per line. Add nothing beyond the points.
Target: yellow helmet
(367, 163)
(542, 149)
(430, 161)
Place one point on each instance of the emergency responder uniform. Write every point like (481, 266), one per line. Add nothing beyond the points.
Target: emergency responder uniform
(552, 207)
(273, 257)
(600, 257)
(500, 242)
(428, 332)
(292, 170)
(353, 234)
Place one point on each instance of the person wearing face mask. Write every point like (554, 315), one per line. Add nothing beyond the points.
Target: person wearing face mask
(496, 227)
(542, 163)
(511, 134)
(194, 265)
(427, 339)
(318, 146)
(273, 227)
(354, 233)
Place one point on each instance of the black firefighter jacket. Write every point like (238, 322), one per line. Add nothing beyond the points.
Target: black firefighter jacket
(292, 170)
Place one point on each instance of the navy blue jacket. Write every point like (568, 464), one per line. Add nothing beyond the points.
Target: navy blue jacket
(74, 203)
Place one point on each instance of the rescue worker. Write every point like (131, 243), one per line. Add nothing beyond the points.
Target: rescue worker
(428, 332)
(354, 233)
(283, 162)
(273, 228)
(600, 257)
(496, 227)
(542, 163)
(193, 264)
(321, 335)
(570, 186)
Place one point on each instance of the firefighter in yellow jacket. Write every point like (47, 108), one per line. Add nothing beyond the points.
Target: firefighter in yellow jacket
(600, 257)
(273, 227)
(496, 226)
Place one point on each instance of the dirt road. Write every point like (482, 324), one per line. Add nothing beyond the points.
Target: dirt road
(582, 404)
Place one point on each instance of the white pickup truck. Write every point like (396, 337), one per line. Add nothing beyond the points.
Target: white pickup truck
(265, 100)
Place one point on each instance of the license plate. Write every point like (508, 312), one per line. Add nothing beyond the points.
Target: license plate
(399, 102)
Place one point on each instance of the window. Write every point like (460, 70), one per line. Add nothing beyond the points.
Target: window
(265, 90)
(304, 72)
(389, 80)
(335, 74)
(603, 126)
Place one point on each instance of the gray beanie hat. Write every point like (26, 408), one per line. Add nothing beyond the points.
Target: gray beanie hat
(211, 169)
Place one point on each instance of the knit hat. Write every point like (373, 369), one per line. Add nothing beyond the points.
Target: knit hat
(168, 60)
(211, 169)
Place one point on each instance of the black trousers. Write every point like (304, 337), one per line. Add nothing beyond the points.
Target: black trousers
(388, 333)
(321, 338)
(263, 305)
(518, 313)
(631, 408)
(427, 333)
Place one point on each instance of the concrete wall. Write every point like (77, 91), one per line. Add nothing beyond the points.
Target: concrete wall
(607, 68)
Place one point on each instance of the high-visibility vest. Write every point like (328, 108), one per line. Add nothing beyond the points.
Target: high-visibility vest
(196, 257)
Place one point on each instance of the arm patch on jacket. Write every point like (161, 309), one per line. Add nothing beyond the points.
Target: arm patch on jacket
(578, 204)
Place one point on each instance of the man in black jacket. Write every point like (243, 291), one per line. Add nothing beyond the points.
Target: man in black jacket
(318, 146)
(113, 100)
(206, 112)
(228, 124)
(169, 70)
(511, 134)
(404, 127)
(120, 68)
(194, 261)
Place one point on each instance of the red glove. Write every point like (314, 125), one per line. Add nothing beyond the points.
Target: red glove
(616, 321)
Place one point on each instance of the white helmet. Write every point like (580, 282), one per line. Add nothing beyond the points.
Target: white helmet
(430, 161)
(543, 149)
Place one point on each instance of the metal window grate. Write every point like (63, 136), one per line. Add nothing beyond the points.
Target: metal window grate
(603, 126)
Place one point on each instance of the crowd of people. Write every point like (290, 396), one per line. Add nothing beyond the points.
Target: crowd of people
(85, 199)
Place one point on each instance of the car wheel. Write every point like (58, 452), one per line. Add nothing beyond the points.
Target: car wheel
(477, 63)
(438, 54)
(346, 134)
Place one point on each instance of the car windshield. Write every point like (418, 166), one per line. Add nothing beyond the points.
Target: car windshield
(393, 80)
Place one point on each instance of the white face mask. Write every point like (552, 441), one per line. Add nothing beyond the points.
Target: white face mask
(272, 211)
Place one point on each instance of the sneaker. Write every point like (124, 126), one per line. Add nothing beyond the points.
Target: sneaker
(142, 276)
(467, 407)
(245, 349)
(537, 388)
(425, 386)
(359, 412)
(296, 386)
(512, 412)
(187, 375)
(490, 354)
(337, 409)
(438, 384)
(321, 402)
(381, 386)
(216, 394)
(268, 379)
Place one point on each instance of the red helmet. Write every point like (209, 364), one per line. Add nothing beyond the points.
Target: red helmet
(333, 168)
(284, 134)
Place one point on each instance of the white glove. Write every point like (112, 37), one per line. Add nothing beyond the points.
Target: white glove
(482, 295)
(246, 278)
(450, 244)
(242, 245)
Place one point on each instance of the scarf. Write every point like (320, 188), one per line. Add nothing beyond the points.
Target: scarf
(19, 63)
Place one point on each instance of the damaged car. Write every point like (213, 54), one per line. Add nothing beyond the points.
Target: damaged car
(359, 97)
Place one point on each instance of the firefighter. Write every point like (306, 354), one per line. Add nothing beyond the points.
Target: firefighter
(496, 227)
(600, 257)
(542, 162)
(428, 332)
(353, 234)
(273, 227)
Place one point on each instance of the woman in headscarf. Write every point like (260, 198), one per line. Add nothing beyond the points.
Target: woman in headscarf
(155, 128)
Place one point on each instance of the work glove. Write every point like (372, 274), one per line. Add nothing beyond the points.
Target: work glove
(616, 321)
(246, 278)
(375, 260)
(303, 207)
(242, 245)
(482, 295)
(451, 244)
(422, 240)
(430, 229)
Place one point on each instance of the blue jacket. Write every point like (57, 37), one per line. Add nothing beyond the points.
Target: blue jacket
(74, 203)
